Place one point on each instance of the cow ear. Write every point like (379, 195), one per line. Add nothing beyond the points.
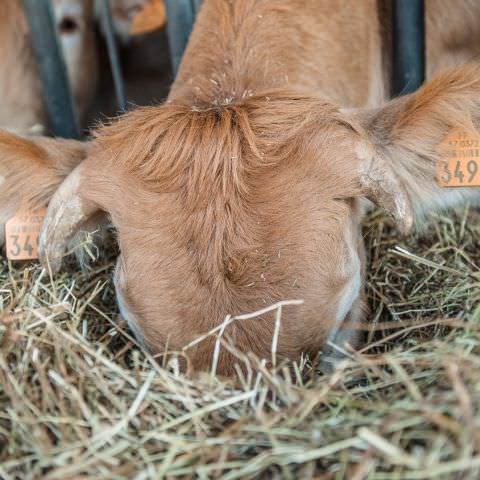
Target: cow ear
(69, 210)
(380, 184)
(31, 169)
(403, 143)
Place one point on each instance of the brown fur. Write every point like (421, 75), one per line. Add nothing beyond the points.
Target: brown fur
(244, 189)
(229, 246)
(294, 42)
(244, 229)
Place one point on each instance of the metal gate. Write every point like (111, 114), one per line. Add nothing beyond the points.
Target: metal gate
(408, 53)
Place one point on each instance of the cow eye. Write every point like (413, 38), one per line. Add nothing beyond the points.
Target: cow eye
(68, 25)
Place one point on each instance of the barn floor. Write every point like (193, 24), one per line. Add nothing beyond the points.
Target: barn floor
(78, 398)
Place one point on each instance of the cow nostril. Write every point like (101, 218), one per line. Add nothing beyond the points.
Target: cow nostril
(68, 25)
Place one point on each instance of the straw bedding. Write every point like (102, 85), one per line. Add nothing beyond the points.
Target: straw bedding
(79, 399)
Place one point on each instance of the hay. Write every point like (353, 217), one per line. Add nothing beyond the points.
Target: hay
(79, 399)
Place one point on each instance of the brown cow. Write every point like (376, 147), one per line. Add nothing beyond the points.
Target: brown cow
(245, 188)
(20, 86)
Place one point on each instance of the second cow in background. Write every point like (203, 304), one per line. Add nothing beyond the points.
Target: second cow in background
(21, 91)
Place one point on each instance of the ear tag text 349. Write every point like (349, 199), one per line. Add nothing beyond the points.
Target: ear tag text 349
(459, 165)
(21, 234)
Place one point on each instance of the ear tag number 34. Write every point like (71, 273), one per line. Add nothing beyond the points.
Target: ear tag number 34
(460, 163)
(21, 234)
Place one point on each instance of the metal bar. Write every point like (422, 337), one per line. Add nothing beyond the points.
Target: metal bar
(180, 20)
(408, 45)
(52, 69)
(113, 56)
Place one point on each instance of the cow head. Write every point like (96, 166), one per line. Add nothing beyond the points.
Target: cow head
(229, 208)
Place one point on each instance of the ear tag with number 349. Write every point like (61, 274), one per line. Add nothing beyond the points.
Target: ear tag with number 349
(460, 162)
(21, 234)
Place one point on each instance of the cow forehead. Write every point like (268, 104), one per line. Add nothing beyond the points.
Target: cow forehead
(225, 180)
(160, 143)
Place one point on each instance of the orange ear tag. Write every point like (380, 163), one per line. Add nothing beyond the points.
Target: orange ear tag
(460, 162)
(152, 17)
(22, 232)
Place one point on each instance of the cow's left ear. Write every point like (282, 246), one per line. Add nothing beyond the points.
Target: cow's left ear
(399, 146)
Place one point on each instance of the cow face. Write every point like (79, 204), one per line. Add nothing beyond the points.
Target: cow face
(228, 209)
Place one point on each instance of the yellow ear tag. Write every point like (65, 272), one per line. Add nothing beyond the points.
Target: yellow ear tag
(459, 165)
(22, 232)
(152, 17)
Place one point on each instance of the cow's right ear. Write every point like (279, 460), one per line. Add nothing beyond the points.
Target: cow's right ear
(31, 169)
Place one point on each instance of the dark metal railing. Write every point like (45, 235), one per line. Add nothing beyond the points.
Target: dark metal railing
(52, 69)
(408, 53)
(181, 16)
(408, 45)
(112, 47)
